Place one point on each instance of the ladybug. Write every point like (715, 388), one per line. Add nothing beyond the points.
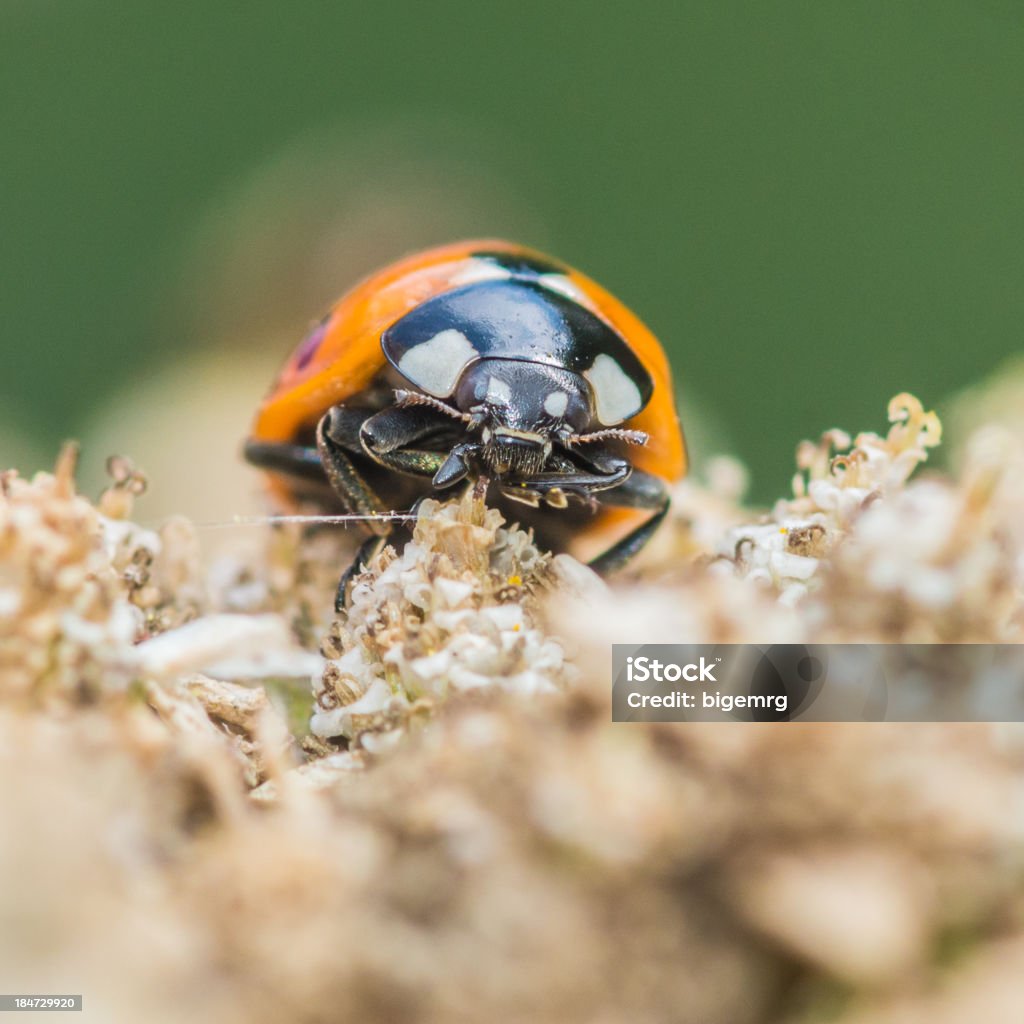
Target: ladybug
(488, 362)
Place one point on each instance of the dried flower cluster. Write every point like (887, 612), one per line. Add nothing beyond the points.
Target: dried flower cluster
(468, 836)
(455, 612)
(837, 480)
(860, 553)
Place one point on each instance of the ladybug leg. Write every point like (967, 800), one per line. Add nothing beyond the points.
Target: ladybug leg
(411, 461)
(391, 438)
(367, 551)
(568, 476)
(337, 435)
(296, 460)
(609, 479)
(345, 479)
(642, 491)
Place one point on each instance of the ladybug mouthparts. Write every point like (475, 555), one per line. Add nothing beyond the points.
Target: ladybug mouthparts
(515, 453)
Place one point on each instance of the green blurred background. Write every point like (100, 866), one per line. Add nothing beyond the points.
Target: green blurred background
(815, 205)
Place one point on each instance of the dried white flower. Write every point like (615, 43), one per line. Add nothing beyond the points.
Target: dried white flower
(453, 612)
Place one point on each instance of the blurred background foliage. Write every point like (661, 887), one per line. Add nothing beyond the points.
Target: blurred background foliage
(814, 204)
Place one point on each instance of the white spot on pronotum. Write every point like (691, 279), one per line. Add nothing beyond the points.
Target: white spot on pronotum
(498, 392)
(561, 284)
(480, 270)
(437, 364)
(555, 403)
(617, 397)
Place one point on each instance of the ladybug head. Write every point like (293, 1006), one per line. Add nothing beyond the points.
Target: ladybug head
(518, 409)
(515, 412)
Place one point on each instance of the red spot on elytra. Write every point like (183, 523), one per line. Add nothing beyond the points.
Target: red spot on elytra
(310, 344)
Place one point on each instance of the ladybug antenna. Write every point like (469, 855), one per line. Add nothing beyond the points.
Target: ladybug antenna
(407, 398)
(613, 434)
